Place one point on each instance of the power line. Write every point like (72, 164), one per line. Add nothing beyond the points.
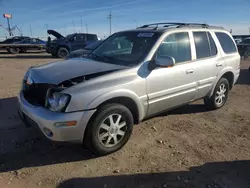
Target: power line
(110, 18)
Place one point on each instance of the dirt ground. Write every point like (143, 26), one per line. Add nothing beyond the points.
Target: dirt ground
(186, 147)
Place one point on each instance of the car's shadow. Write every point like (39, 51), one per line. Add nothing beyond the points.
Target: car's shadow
(244, 78)
(234, 174)
(25, 147)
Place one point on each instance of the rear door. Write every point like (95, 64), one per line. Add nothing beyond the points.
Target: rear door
(208, 62)
(79, 42)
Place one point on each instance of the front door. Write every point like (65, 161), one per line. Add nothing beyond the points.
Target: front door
(174, 86)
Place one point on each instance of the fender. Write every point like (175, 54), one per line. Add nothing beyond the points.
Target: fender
(225, 70)
(139, 101)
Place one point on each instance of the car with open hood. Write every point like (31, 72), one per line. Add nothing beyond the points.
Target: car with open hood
(61, 46)
(85, 51)
(129, 77)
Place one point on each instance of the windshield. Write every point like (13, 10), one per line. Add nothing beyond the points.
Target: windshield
(126, 48)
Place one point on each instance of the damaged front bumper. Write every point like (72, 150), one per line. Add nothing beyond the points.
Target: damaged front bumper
(48, 121)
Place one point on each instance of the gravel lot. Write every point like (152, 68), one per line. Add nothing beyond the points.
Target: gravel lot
(186, 147)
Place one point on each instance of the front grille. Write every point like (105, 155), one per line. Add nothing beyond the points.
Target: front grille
(35, 94)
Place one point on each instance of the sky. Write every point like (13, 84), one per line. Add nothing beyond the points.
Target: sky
(35, 16)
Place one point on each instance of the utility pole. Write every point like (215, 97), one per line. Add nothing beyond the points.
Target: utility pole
(47, 27)
(86, 28)
(8, 17)
(249, 30)
(74, 26)
(30, 31)
(81, 23)
(65, 29)
(110, 18)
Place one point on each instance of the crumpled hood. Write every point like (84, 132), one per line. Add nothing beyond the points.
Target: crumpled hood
(57, 72)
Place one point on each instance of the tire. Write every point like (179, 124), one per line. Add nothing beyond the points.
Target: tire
(62, 52)
(219, 98)
(14, 50)
(100, 132)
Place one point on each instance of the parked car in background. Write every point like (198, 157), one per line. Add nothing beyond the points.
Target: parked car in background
(62, 46)
(130, 76)
(30, 44)
(244, 48)
(11, 41)
(85, 51)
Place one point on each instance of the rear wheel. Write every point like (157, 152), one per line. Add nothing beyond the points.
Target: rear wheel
(220, 95)
(62, 52)
(110, 129)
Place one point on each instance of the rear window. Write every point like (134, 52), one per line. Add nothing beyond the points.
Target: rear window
(226, 42)
(91, 37)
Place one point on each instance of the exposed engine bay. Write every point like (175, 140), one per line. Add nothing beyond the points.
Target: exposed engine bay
(38, 93)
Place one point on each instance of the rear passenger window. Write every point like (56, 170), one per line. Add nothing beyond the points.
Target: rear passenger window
(80, 37)
(226, 42)
(213, 47)
(176, 45)
(201, 45)
(91, 37)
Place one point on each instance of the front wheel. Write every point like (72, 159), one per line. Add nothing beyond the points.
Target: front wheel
(14, 50)
(220, 95)
(62, 52)
(110, 129)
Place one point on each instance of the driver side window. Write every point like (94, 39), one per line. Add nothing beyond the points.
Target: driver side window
(176, 45)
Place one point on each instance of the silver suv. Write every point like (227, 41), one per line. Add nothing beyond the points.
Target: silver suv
(131, 76)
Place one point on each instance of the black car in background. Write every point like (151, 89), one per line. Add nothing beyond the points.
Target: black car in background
(244, 48)
(61, 46)
(11, 41)
(85, 51)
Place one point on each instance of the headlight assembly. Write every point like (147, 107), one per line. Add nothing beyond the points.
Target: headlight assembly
(57, 102)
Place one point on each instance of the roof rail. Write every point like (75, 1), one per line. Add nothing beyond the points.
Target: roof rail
(178, 25)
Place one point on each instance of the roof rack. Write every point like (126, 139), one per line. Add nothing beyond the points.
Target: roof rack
(155, 26)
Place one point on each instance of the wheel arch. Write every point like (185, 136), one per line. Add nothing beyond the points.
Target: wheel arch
(229, 75)
(124, 97)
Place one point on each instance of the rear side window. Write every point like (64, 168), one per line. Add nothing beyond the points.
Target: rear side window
(201, 44)
(226, 42)
(80, 37)
(176, 45)
(91, 37)
(213, 47)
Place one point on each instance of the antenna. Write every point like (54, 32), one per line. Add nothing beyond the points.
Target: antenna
(110, 18)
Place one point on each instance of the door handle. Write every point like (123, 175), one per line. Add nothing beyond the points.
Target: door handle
(190, 71)
(219, 65)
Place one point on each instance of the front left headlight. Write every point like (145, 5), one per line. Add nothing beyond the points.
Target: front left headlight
(58, 102)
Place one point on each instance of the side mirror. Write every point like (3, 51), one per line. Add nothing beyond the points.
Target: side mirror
(165, 61)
